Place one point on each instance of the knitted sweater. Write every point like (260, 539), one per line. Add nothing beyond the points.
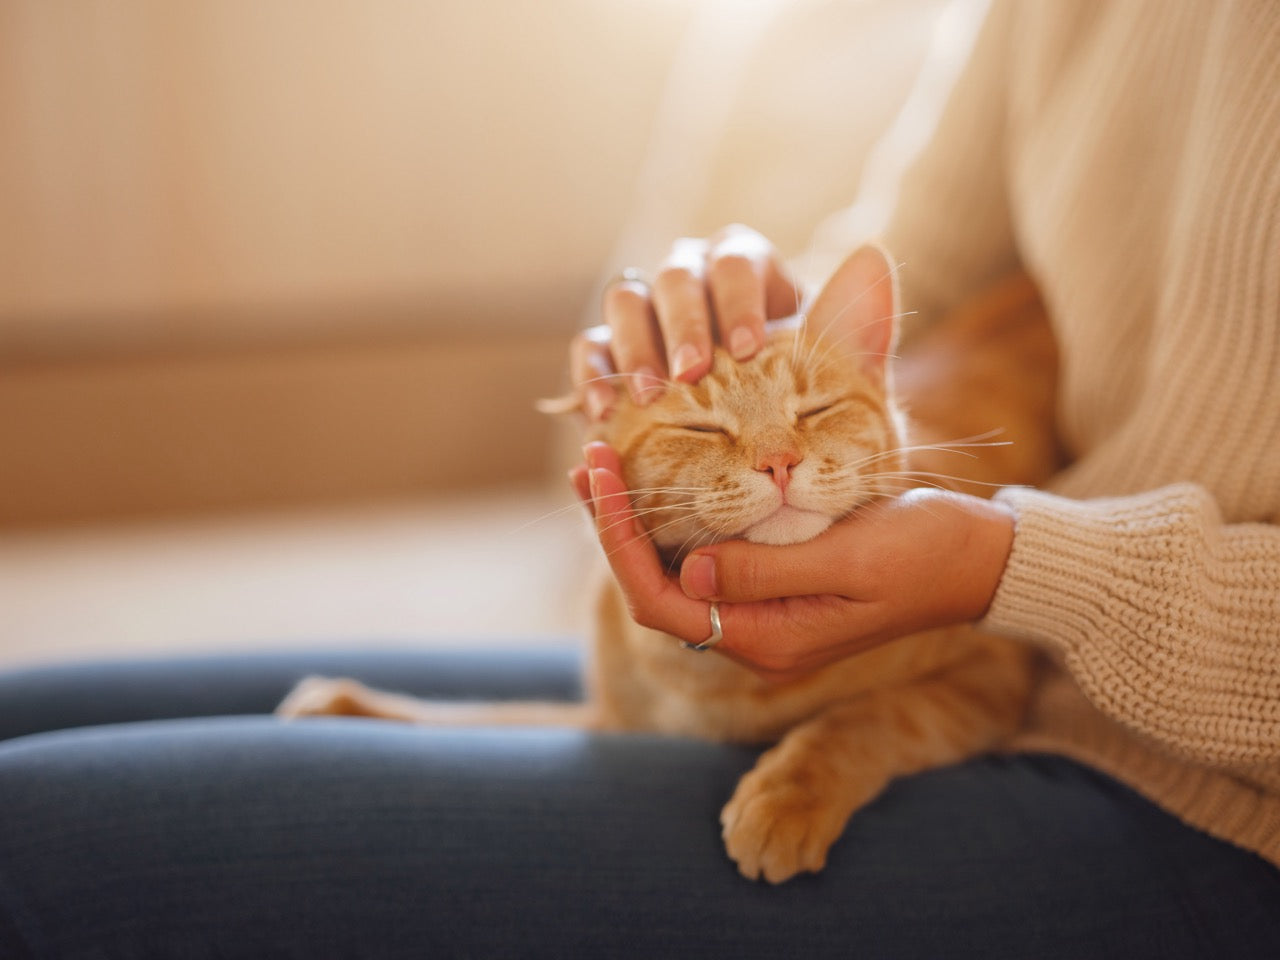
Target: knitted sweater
(1127, 155)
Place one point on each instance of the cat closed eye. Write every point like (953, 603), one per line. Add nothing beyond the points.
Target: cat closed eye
(703, 428)
(815, 411)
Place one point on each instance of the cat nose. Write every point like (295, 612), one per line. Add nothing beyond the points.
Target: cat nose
(779, 465)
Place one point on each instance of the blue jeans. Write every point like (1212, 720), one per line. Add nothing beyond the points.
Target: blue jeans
(149, 810)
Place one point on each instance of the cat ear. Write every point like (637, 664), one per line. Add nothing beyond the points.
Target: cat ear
(857, 311)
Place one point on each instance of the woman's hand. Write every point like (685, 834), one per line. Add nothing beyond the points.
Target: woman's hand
(719, 289)
(929, 558)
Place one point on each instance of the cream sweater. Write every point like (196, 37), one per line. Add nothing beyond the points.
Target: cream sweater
(1127, 154)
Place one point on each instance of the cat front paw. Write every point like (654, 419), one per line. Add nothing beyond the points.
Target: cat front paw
(777, 826)
(326, 697)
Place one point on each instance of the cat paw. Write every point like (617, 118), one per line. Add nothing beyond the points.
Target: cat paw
(775, 828)
(325, 697)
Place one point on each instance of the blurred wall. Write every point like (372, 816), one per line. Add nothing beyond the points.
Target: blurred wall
(171, 159)
(272, 251)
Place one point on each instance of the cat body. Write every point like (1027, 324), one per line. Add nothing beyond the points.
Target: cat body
(774, 450)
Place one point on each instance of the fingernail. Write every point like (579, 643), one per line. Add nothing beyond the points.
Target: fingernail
(685, 359)
(593, 483)
(743, 343)
(598, 401)
(698, 577)
(646, 385)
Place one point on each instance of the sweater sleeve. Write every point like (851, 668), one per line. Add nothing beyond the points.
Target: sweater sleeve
(951, 226)
(1168, 619)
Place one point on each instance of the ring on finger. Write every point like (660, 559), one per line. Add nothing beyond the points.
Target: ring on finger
(717, 634)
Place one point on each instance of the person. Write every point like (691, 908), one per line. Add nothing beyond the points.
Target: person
(1127, 156)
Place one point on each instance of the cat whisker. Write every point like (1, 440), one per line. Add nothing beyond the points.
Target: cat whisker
(876, 458)
(650, 534)
(880, 497)
(647, 503)
(699, 538)
(925, 478)
(960, 446)
(645, 511)
(955, 478)
(684, 507)
(708, 495)
(659, 491)
(549, 515)
(635, 495)
(674, 521)
(686, 510)
(902, 484)
(689, 507)
(977, 440)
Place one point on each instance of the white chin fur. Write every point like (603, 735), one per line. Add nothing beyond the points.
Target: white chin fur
(788, 525)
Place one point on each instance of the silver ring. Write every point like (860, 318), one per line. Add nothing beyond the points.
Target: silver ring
(629, 275)
(716, 633)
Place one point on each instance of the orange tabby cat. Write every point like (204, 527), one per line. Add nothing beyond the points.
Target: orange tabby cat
(775, 450)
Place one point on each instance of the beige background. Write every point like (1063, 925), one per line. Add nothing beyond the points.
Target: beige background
(292, 272)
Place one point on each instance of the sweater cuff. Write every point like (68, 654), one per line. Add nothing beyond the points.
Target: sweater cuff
(1077, 566)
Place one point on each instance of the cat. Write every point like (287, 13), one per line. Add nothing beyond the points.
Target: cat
(811, 422)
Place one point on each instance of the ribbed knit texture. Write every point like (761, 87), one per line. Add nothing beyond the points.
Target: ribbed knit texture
(1127, 154)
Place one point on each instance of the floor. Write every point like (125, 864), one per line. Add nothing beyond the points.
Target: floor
(505, 568)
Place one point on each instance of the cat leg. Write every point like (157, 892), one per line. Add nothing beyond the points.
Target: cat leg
(325, 696)
(793, 805)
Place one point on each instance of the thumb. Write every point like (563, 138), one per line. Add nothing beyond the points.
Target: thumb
(737, 571)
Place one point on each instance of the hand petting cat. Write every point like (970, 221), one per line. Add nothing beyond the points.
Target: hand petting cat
(723, 287)
(928, 558)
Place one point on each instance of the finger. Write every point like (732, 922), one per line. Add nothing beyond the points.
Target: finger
(781, 295)
(738, 261)
(592, 372)
(683, 313)
(635, 342)
(653, 598)
(738, 571)
(600, 456)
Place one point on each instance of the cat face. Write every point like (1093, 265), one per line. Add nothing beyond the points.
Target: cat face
(775, 449)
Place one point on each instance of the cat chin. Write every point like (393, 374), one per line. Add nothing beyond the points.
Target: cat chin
(788, 525)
